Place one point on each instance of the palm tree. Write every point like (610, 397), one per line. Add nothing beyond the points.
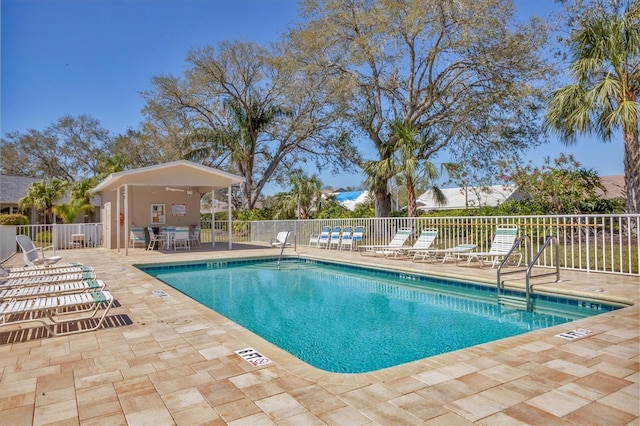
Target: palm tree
(43, 195)
(604, 98)
(412, 169)
(239, 144)
(302, 199)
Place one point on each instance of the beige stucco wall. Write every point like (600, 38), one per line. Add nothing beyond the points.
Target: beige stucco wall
(140, 200)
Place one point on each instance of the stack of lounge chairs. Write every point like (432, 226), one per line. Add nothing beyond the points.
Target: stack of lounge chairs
(54, 296)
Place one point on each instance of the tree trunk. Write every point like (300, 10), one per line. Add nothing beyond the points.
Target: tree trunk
(632, 171)
(412, 207)
(381, 199)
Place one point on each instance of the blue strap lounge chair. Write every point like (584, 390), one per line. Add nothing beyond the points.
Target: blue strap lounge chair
(323, 238)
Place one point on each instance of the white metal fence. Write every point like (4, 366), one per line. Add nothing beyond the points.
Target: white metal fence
(59, 236)
(597, 243)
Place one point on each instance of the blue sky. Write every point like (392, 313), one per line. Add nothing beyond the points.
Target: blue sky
(94, 57)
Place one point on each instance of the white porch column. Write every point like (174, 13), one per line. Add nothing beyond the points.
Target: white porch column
(213, 218)
(118, 213)
(126, 220)
(230, 222)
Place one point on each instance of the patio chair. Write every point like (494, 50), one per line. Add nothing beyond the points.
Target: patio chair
(334, 237)
(354, 240)
(33, 255)
(181, 238)
(59, 314)
(397, 241)
(447, 253)
(345, 237)
(136, 236)
(40, 290)
(280, 239)
(56, 269)
(156, 240)
(195, 237)
(502, 243)
(323, 238)
(424, 241)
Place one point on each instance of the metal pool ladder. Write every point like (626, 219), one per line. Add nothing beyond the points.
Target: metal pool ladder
(516, 301)
(284, 245)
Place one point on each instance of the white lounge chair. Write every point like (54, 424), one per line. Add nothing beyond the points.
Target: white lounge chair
(33, 255)
(46, 267)
(424, 241)
(32, 272)
(447, 253)
(503, 241)
(47, 279)
(57, 313)
(280, 239)
(353, 239)
(397, 241)
(40, 290)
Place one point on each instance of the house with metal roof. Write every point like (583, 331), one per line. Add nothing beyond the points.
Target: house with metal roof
(471, 197)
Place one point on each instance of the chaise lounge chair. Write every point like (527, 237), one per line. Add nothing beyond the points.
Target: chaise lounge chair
(33, 255)
(446, 254)
(424, 241)
(39, 290)
(396, 242)
(58, 269)
(502, 243)
(45, 267)
(47, 279)
(57, 313)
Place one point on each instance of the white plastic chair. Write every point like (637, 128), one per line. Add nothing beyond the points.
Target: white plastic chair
(159, 239)
(195, 237)
(181, 238)
(33, 255)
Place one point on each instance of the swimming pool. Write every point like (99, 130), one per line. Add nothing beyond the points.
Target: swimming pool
(348, 319)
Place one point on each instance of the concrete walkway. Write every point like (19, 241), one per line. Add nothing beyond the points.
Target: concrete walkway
(175, 364)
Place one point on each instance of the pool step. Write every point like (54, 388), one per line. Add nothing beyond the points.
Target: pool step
(513, 301)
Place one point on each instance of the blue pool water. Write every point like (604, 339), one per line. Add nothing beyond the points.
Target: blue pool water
(353, 320)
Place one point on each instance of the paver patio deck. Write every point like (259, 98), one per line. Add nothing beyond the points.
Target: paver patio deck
(176, 364)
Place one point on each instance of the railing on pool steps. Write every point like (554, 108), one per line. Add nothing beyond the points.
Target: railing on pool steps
(285, 243)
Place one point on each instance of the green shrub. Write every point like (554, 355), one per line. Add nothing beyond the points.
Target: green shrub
(13, 219)
(43, 238)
